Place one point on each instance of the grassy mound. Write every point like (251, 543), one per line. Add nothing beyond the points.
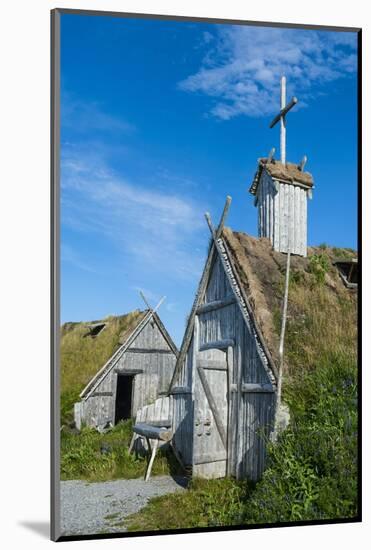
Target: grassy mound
(312, 470)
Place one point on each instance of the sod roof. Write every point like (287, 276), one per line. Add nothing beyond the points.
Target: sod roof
(261, 273)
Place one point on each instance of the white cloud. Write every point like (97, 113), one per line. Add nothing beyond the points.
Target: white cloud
(242, 71)
(154, 229)
(84, 116)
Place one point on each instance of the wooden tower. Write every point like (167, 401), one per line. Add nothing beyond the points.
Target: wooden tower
(281, 190)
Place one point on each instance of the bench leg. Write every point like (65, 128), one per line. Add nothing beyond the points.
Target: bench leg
(131, 443)
(153, 454)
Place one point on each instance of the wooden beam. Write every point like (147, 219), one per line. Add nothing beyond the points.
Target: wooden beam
(102, 394)
(176, 390)
(151, 460)
(199, 296)
(149, 350)
(128, 372)
(302, 163)
(217, 304)
(152, 432)
(145, 300)
(217, 344)
(257, 388)
(211, 364)
(166, 423)
(206, 458)
(283, 112)
(213, 407)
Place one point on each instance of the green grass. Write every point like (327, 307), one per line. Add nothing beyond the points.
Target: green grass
(205, 503)
(83, 356)
(92, 456)
(312, 470)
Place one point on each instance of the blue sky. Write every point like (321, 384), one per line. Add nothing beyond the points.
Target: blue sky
(160, 120)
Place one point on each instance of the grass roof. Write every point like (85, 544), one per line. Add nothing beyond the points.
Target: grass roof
(288, 173)
(322, 312)
(82, 356)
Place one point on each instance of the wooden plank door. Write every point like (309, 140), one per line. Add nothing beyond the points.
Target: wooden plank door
(211, 413)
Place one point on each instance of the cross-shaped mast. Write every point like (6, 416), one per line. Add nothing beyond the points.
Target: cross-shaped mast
(281, 117)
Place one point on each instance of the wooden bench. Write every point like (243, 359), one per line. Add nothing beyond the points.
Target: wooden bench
(153, 435)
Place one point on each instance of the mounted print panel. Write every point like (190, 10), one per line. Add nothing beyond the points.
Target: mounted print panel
(205, 319)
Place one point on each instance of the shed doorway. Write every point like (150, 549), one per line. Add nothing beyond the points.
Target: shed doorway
(124, 394)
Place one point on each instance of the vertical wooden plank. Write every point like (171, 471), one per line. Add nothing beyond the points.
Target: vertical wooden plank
(297, 229)
(232, 420)
(304, 206)
(276, 206)
(291, 219)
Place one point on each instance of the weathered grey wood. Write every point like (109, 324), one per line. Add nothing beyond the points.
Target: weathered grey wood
(247, 311)
(199, 295)
(151, 460)
(205, 458)
(128, 372)
(143, 357)
(232, 420)
(132, 443)
(104, 371)
(271, 154)
(283, 111)
(149, 350)
(302, 163)
(166, 423)
(152, 432)
(245, 417)
(218, 344)
(214, 410)
(180, 390)
(257, 388)
(211, 365)
(145, 300)
(217, 304)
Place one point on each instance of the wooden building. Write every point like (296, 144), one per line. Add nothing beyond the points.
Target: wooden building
(281, 192)
(224, 385)
(137, 373)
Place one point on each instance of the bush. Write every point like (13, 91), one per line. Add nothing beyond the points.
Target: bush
(312, 470)
(319, 265)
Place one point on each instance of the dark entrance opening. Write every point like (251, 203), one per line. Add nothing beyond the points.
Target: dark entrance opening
(124, 394)
(348, 270)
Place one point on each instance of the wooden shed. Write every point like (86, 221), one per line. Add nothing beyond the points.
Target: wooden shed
(281, 192)
(137, 373)
(224, 385)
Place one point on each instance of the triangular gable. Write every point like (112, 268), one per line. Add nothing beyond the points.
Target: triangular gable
(165, 334)
(126, 341)
(219, 247)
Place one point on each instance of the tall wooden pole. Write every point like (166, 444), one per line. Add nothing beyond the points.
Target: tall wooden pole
(283, 120)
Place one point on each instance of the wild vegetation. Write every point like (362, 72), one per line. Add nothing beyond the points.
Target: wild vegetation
(312, 470)
(93, 456)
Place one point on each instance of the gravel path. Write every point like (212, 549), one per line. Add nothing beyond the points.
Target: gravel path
(92, 508)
